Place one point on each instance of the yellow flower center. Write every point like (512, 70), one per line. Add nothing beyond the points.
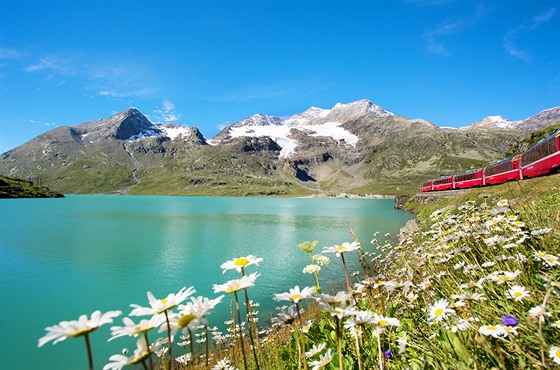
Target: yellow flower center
(186, 320)
(164, 301)
(557, 353)
(296, 297)
(492, 328)
(438, 312)
(517, 294)
(340, 248)
(241, 262)
(383, 323)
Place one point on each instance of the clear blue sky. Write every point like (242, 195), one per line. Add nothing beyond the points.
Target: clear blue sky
(211, 63)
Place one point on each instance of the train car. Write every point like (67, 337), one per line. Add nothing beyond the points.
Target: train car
(503, 171)
(542, 158)
(443, 183)
(469, 179)
(427, 186)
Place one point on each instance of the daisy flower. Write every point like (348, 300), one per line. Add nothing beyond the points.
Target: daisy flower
(459, 324)
(295, 294)
(539, 313)
(223, 365)
(286, 316)
(383, 321)
(184, 359)
(541, 231)
(517, 293)
(77, 328)
(237, 284)
(158, 306)
(554, 354)
(439, 310)
(495, 331)
(130, 328)
(240, 263)
(323, 361)
(141, 353)
(501, 277)
(343, 248)
(556, 324)
(315, 350)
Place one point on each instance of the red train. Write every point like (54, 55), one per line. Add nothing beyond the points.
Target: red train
(542, 158)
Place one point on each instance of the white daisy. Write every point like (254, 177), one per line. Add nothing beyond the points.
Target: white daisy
(158, 306)
(315, 350)
(237, 284)
(77, 328)
(323, 361)
(131, 328)
(240, 263)
(517, 293)
(343, 248)
(295, 294)
(495, 331)
(439, 310)
(538, 313)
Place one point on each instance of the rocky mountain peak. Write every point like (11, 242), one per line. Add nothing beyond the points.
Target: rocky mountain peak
(494, 121)
(259, 119)
(358, 108)
(121, 126)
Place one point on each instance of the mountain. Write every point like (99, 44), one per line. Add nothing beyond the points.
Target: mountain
(534, 123)
(355, 147)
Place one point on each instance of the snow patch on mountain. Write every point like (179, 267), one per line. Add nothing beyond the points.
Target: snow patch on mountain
(280, 134)
(169, 130)
(173, 131)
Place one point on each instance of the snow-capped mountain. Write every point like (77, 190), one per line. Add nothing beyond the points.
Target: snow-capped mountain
(349, 146)
(542, 119)
(494, 121)
(314, 122)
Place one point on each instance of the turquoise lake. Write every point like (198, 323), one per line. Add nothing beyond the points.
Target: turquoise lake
(60, 258)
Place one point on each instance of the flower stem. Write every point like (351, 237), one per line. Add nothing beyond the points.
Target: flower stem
(346, 274)
(240, 331)
(207, 344)
(302, 337)
(192, 346)
(169, 342)
(339, 342)
(149, 349)
(90, 356)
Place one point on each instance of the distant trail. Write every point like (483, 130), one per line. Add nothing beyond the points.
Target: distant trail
(137, 165)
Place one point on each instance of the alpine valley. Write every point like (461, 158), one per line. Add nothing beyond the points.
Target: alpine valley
(355, 148)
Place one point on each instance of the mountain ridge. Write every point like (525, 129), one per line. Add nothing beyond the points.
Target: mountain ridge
(354, 147)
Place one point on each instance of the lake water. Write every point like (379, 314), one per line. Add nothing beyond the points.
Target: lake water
(60, 258)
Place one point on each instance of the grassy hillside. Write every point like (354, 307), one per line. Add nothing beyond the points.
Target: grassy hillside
(11, 187)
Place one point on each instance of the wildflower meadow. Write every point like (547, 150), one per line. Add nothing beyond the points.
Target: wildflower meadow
(476, 286)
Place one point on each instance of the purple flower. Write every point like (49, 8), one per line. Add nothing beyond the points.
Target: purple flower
(509, 320)
(388, 353)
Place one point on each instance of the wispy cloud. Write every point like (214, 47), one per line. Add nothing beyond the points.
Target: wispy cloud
(6, 53)
(115, 80)
(435, 38)
(268, 91)
(510, 38)
(167, 112)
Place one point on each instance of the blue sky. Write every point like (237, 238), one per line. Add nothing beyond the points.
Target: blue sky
(211, 63)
